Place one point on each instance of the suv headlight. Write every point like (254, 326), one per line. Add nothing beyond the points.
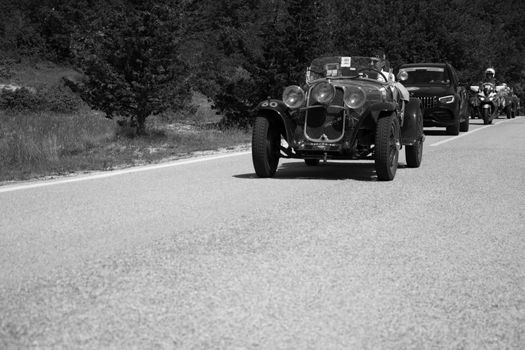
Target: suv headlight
(293, 96)
(323, 92)
(355, 97)
(447, 99)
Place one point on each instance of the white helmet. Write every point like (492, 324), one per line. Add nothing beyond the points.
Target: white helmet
(490, 70)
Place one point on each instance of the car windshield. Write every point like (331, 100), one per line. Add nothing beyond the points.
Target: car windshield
(342, 66)
(426, 75)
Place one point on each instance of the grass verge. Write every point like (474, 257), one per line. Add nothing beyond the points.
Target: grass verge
(34, 145)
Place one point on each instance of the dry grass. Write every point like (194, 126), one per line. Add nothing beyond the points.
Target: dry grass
(48, 144)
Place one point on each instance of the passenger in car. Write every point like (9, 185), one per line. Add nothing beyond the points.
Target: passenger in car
(400, 92)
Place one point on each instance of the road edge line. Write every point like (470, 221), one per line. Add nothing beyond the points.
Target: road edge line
(112, 173)
(468, 133)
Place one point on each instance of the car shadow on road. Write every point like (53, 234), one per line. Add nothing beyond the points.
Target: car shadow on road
(331, 170)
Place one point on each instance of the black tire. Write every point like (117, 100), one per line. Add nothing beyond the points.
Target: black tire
(266, 143)
(311, 162)
(453, 129)
(464, 125)
(386, 148)
(486, 116)
(414, 154)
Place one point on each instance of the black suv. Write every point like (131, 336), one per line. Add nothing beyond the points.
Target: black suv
(443, 100)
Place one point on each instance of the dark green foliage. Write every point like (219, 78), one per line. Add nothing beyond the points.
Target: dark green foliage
(19, 100)
(140, 55)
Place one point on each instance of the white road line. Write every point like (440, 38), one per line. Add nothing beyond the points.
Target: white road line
(111, 173)
(469, 133)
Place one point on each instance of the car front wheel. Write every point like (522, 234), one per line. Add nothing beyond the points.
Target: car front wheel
(454, 129)
(387, 148)
(266, 143)
(464, 125)
(414, 154)
(486, 116)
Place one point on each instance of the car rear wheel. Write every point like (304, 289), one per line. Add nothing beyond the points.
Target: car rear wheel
(266, 143)
(311, 162)
(387, 148)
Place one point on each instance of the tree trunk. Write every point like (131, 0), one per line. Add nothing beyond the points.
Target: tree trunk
(141, 124)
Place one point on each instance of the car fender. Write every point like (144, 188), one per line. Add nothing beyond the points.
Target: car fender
(412, 129)
(276, 110)
(381, 109)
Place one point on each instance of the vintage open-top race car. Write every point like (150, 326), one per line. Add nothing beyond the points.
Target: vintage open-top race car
(349, 108)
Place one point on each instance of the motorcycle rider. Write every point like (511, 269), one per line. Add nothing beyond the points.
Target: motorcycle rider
(486, 90)
(490, 76)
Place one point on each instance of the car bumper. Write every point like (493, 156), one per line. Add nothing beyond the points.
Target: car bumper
(440, 117)
(436, 113)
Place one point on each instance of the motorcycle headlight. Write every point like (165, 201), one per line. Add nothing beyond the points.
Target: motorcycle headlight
(293, 96)
(355, 97)
(323, 92)
(481, 98)
(447, 99)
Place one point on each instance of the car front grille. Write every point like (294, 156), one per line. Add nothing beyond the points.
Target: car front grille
(427, 101)
(326, 123)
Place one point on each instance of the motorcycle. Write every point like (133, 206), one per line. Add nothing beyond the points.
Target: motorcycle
(485, 104)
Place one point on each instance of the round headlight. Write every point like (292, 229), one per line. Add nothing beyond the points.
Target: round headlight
(323, 92)
(293, 96)
(355, 97)
(402, 75)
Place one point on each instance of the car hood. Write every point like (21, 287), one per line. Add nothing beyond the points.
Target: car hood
(430, 90)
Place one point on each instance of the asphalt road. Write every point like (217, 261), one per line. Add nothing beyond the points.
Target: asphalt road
(201, 254)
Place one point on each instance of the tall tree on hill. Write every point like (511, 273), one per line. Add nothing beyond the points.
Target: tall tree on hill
(132, 62)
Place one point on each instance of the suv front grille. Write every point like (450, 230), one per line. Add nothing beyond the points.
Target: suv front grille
(428, 101)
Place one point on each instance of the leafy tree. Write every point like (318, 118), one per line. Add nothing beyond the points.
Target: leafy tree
(131, 61)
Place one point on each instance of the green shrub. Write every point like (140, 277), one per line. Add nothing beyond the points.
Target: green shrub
(19, 100)
(54, 99)
(59, 99)
(5, 68)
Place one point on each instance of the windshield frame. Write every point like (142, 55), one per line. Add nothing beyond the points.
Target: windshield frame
(410, 70)
(343, 67)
